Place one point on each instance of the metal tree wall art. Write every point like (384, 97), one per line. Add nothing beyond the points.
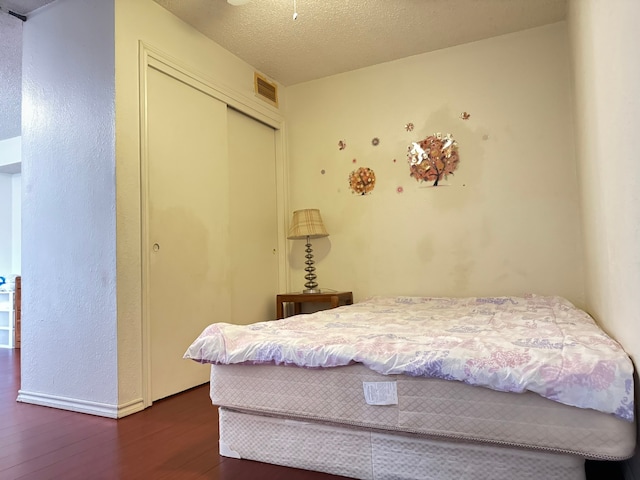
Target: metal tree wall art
(433, 158)
(362, 181)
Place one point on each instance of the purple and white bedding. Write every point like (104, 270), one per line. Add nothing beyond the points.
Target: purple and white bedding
(514, 344)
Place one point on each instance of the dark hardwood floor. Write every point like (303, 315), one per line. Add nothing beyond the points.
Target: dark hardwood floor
(175, 439)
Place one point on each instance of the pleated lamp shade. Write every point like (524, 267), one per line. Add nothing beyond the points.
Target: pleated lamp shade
(307, 223)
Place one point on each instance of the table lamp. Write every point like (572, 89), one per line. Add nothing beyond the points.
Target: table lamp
(307, 224)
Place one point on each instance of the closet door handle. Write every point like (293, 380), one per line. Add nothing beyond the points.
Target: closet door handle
(156, 247)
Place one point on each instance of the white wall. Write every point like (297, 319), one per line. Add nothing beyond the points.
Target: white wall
(5, 223)
(161, 30)
(508, 223)
(16, 223)
(10, 158)
(69, 233)
(606, 64)
(607, 82)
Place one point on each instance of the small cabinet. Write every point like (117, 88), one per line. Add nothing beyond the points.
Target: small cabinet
(333, 299)
(7, 319)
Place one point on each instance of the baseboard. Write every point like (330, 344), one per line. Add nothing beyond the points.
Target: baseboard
(128, 408)
(81, 406)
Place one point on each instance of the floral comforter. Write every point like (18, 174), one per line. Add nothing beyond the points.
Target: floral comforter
(513, 344)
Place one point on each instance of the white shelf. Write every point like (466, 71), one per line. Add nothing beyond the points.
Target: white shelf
(7, 332)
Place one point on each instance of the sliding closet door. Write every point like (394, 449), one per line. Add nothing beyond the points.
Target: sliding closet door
(253, 221)
(188, 227)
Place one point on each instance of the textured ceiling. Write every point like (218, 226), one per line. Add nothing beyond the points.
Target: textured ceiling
(10, 76)
(328, 37)
(22, 6)
(11, 64)
(334, 36)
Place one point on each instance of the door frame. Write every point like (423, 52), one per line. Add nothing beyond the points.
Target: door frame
(151, 57)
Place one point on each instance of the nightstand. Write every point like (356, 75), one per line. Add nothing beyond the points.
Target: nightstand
(332, 298)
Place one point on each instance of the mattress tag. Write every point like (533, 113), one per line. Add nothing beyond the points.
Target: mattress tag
(380, 393)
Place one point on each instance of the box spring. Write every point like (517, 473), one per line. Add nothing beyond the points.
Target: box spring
(373, 455)
(431, 408)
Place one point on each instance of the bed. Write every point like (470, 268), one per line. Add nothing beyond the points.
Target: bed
(421, 387)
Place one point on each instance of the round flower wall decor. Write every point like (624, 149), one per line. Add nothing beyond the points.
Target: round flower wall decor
(433, 158)
(362, 181)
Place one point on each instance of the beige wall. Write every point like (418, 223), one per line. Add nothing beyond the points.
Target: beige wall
(144, 20)
(605, 39)
(606, 70)
(507, 223)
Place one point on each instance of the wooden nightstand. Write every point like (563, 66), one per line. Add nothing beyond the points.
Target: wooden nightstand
(333, 298)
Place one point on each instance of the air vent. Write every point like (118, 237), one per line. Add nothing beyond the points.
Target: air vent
(265, 89)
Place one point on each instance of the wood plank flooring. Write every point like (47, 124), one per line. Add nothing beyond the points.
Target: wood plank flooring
(175, 439)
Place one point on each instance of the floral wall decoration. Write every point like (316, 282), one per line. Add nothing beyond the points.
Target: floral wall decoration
(433, 158)
(362, 181)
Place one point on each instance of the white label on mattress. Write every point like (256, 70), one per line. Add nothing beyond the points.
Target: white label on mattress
(380, 393)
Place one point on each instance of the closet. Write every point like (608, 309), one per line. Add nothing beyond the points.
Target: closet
(211, 240)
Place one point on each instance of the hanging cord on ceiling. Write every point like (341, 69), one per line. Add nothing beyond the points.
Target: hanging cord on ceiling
(13, 14)
(295, 10)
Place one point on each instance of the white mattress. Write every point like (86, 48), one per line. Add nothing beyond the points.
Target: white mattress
(370, 455)
(428, 407)
(539, 344)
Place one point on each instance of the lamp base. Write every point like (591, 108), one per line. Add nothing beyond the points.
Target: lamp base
(312, 290)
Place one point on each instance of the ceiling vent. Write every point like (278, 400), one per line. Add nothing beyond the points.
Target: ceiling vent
(265, 89)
